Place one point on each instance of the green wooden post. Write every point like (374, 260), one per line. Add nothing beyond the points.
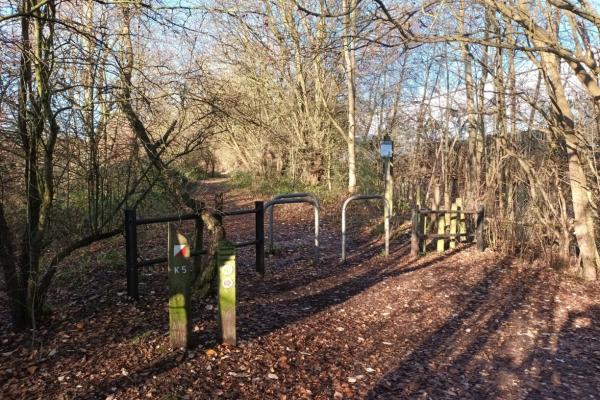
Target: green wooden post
(227, 295)
(181, 274)
(453, 218)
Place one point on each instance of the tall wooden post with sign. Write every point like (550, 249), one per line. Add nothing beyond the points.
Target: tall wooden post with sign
(181, 274)
(387, 153)
(227, 292)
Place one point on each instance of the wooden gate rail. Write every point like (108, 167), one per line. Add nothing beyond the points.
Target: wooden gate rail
(133, 263)
(419, 235)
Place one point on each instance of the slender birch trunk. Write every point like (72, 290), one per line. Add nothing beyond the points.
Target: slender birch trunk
(350, 63)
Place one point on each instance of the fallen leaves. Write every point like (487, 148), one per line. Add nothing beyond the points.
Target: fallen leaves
(211, 353)
(367, 328)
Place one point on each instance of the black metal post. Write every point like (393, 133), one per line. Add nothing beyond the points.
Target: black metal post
(219, 208)
(479, 228)
(198, 241)
(260, 236)
(131, 253)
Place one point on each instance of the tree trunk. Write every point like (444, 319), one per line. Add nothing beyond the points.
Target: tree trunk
(350, 62)
(580, 193)
(14, 285)
(473, 153)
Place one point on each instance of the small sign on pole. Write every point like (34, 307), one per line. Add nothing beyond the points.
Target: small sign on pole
(387, 153)
(386, 147)
(180, 281)
(227, 292)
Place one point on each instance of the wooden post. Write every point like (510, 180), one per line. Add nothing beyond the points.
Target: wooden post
(479, 228)
(423, 229)
(453, 189)
(414, 236)
(453, 220)
(462, 224)
(131, 253)
(227, 292)
(441, 242)
(436, 203)
(259, 206)
(388, 188)
(181, 274)
(447, 205)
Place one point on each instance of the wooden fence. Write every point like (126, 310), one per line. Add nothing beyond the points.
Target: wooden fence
(451, 226)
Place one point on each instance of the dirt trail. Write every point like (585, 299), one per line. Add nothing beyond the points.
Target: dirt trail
(462, 324)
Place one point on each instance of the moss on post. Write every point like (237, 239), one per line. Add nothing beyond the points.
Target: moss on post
(181, 275)
(227, 292)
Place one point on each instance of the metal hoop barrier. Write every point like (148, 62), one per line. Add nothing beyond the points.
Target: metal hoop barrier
(297, 195)
(287, 196)
(289, 199)
(386, 221)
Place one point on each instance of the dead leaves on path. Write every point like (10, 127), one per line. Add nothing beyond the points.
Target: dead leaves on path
(459, 325)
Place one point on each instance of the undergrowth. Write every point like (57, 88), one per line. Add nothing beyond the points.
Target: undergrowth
(272, 187)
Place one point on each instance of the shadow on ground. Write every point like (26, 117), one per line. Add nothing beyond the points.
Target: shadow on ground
(503, 344)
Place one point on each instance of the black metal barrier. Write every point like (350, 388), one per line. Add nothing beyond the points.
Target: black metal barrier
(131, 245)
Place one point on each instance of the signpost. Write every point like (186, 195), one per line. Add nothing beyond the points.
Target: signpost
(227, 292)
(181, 273)
(387, 153)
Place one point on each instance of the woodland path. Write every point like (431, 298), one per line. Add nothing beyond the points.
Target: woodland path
(462, 324)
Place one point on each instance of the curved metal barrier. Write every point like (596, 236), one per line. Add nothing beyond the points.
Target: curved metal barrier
(291, 199)
(287, 196)
(386, 221)
(297, 195)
